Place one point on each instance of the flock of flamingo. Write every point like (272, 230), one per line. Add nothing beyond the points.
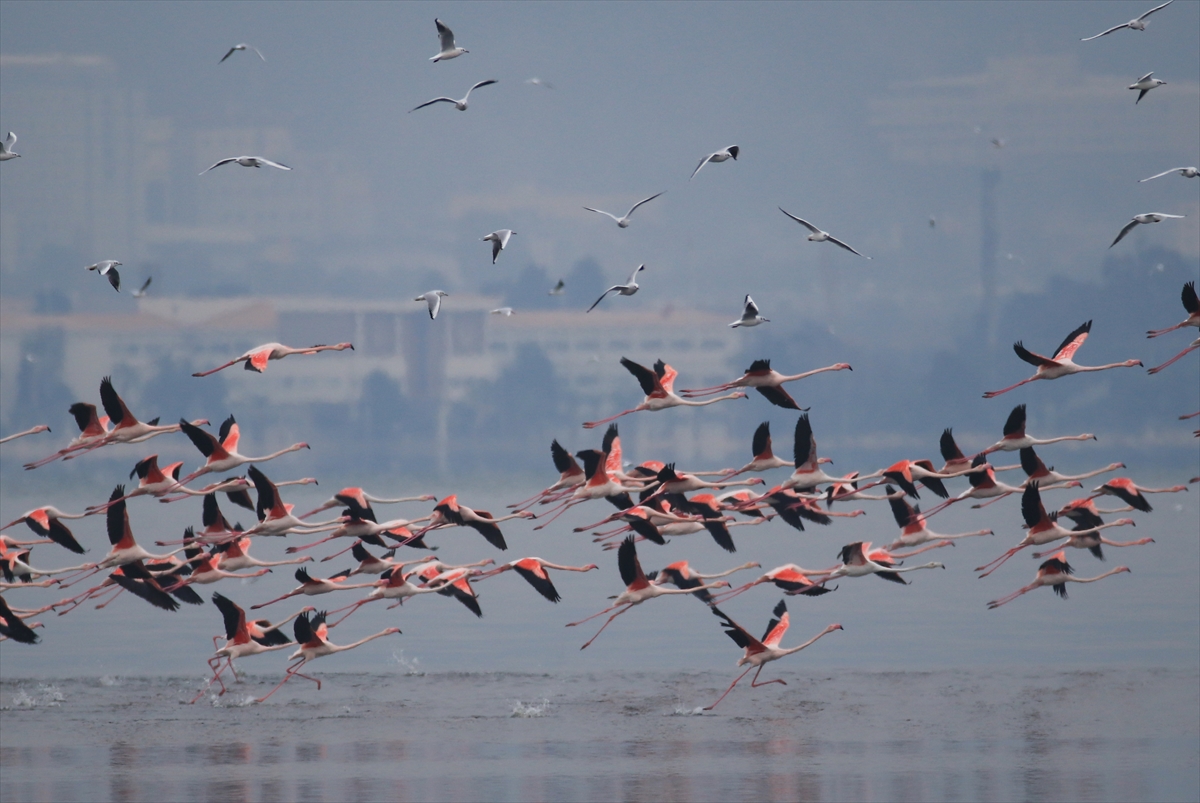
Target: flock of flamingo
(654, 502)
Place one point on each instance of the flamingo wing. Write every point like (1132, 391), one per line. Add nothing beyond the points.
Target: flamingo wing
(779, 397)
(536, 576)
(760, 446)
(563, 461)
(1032, 509)
(114, 406)
(1073, 341)
(777, 627)
(739, 634)
(645, 377)
(204, 441)
(627, 562)
(1014, 426)
(1031, 357)
(949, 448)
(1191, 302)
(804, 444)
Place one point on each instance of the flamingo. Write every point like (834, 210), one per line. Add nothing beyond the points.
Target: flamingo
(794, 508)
(1061, 363)
(449, 512)
(243, 638)
(624, 221)
(234, 554)
(1015, 438)
(789, 578)
(1055, 573)
(984, 485)
(221, 452)
(681, 575)
(314, 586)
(1191, 303)
(12, 626)
(45, 521)
(859, 560)
(658, 385)
(808, 473)
(599, 485)
(760, 653)
(393, 583)
(1036, 471)
(311, 636)
(453, 582)
(720, 156)
(766, 381)
(708, 517)
(235, 488)
(1131, 493)
(913, 531)
(91, 429)
(570, 475)
(275, 517)
(638, 588)
(534, 572)
(14, 564)
(31, 431)
(1195, 344)
(671, 481)
(1084, 534)
(126, 428)
(1042, 528)
(359, 500)
(257, 357)
(956, 461)
(152, 481)
(847, 489)
(760, 448)
(369, 564)
(906, 473)
(368, 531)
(208, 570)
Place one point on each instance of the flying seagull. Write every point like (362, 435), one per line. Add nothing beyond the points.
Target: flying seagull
(539, 82)
(1137, 24)
(1149, 217)
(6, 147)
(499, 241)
(623, 222)
(248, 161)
(720, 156)
(446, 38)
(558, 289)
(108, 269)
(1144, 85)
(1186, 172)
(242, 46)
(627, 289)
(433, 300)
(750, 316)
(505, 311)
(461, 105)
(141, 291)
(819, 236)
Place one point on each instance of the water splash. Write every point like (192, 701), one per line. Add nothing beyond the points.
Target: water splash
(110, 680)
(230, 700)
(412, 666)
(680, 711)
(47, 696)
(528, 710)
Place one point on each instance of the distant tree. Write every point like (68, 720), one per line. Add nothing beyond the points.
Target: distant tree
(42, 396)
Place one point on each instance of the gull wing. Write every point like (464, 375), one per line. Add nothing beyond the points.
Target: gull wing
(633, 208)
(1163, 173)
(218, 164)
(1106, 33)
(836, 241)
(427, 103)
(269, 163)
(806, 224)
(1156, 8)
(703, 162)
(445, 35)
(606, 292)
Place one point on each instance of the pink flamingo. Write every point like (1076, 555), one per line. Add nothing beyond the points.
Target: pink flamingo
(275, 516)
(45, 522)
(234, 554)
(1015, 438)
(1191, 303)
(1036, 471)
(257, 357)
(152, 481)
(957, 461)
(807, 473)
(759, 653)
(449, 513)
(311, 636)
(1061, 363)
(534, 572)
(359, 500)
(12, 626)
(859, 560)
(984, 485)
(760, 448)
(570, 475)
(1131, 493)
(913, 531)
(766, 381)
(658, 385)
(221, 454)
(681, 575)
(599, 485)
(638, 588)
(314, 586)
(789, 578)
(126, 427)
(91, 429)
(1055, 573)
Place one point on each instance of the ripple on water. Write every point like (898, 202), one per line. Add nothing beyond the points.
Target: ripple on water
(527, 710)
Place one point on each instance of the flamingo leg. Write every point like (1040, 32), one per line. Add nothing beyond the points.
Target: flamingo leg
(1157, 332)
(728, 595)
(991, 394)
(287, 676)
(352, 608)
(602, 421)
(606, 624)
(1178, 356)
(292, 550)
(229, 364)
(563, 509)
(110, 599)
(1006, 599)
(272, 602)
(982, 505)
(341, 552)
(998, 562)
(754, 680)
(731, 685)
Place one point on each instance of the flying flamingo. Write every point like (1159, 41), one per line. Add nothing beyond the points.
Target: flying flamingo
(638, 588)
(274, 516)
(235, 554)
(956, 461)
(91, 429)
(235, 488)
(658, 385)
(132, 577)
(570, 475)
(847, 489)
(221, 452)
(534, 572)
(808, 473)
(454, 582)
(1055, 573)
(152, 481)
(599, 485)
(367, 531)
(45, 522)
(671, 481)
(369, 564)
(789, 578)
(126, 428)
(984, 485)
(681, 575)
(760, 653)
(859, 560)
(760, 448)
(311, 636)
(1195, 344)
(314, 586)
(14, 564)
(1131, 493)
(766, 381)
(449, 513)
(257, 357)
(1036, 471)
(359, 500)
(913, 531)
(1085, 535)
(12, 626)
(906, 473)
(793, 508)
(243, 639)
(394, 584)
(30, 431)
(1042, 528)
(1061, 363)
(1191, 303)
(1015, 438)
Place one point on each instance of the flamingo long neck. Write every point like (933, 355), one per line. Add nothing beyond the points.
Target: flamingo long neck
(690, 403)
(1070, 579)
(799, 647)
(272, 456)
(362, 641)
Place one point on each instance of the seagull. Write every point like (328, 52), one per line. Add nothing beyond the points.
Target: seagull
(461, 105)
(446, 37)
(750, 316)
(627, 289)
(1149, 217)
(720, 156)
(248, 161)
(1186, 172)
(539, 82)
(433, 300)
(623, 222)
(242, 46)
(505, 311)
(1134, 24)
(6, 147)
(558, 289)
(1145, 84)
(817, 235)
(108, 269)
(141, 291)
(499, 241)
